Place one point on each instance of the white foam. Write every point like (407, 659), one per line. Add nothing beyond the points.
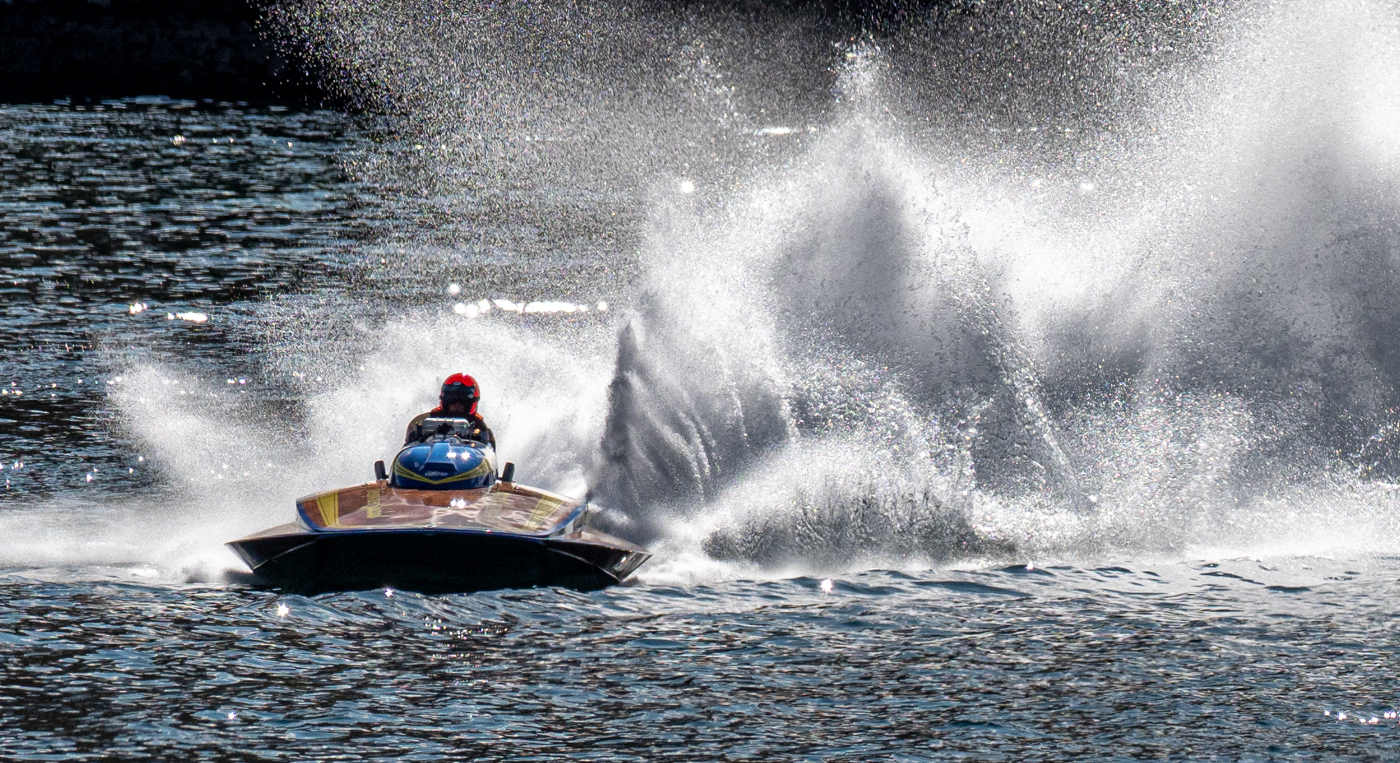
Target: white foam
(1127, 335)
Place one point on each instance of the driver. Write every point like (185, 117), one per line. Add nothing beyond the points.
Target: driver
(457, 400)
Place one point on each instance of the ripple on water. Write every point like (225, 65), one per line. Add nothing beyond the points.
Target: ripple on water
(903, 664)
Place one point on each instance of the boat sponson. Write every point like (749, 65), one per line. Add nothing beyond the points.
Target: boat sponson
(434, 561)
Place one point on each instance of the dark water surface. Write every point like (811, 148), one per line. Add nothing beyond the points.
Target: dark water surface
(172, 206)
(1237, 660)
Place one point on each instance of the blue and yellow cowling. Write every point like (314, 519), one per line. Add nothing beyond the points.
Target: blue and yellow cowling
(443, 466)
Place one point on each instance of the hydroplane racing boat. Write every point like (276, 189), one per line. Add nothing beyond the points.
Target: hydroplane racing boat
(442, 521)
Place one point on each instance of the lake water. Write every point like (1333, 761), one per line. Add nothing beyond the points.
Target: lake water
(1236, 660)
(1044, 411)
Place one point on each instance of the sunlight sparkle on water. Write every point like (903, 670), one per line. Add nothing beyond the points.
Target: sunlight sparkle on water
(523, 307)
(554, 307)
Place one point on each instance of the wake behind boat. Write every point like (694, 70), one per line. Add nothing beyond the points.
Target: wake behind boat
(442, 522)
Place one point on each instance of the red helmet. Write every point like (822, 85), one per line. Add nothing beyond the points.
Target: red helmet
(460, 388)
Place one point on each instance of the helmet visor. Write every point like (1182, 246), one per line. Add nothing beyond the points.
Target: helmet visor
(459, 394)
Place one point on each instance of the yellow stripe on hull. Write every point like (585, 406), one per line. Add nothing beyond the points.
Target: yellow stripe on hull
(329, 505)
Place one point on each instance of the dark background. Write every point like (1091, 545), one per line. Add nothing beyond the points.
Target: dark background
(92, 49)
(228, 49)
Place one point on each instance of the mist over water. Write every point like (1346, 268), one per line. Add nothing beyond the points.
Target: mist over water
(977, 286)
(1170, 335)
